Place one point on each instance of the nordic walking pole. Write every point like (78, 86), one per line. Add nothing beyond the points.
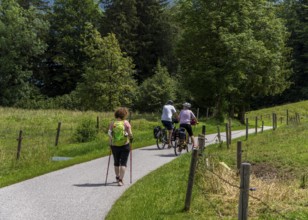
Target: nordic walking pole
(131, 151)
(131, 159)
(108, 167)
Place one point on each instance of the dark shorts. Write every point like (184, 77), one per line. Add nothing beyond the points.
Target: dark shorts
(188, 128)
(120, 155)
(168, 125)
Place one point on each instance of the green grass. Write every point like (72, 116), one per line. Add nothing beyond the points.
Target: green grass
(39, 129)
(38, 141)
(266, 114)
(279, 161)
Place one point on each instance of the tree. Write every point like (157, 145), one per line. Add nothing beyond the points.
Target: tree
(39, 4)
(156, 90)
(154, 37)
(121, 19)
(108, 78)
(297, 22)
(231, 51)
(144, 31)
(20, 43)
(65, 57)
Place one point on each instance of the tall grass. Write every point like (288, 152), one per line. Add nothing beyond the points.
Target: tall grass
(39, 134)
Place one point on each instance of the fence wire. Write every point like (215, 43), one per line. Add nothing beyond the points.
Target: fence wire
(268, 207)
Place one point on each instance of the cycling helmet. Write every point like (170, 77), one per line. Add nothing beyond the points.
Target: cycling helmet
(187, 105)
(170, 102)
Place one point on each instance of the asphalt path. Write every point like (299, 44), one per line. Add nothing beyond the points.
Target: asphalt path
(79, 192)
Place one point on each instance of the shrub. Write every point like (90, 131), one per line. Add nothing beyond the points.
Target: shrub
(86, 131)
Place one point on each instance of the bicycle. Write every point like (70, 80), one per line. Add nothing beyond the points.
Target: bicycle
(182, 141)
(162, 137)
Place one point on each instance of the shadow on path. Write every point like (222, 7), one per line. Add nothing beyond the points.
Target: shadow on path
(90, 185)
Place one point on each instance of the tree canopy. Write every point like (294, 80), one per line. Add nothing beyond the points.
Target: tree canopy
(20, 43)
(226, 55)
(232, 50)
(108, 78)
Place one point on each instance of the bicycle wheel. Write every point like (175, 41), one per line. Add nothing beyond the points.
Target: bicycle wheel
(161, 140)
(177, 147)
(188, 143)
(186, 147)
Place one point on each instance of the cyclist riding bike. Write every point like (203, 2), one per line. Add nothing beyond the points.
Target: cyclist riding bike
(166, 119)
(186, 116)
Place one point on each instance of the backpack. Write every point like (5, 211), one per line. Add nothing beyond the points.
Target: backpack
(156, 131)
(182, 134)
(119, 136)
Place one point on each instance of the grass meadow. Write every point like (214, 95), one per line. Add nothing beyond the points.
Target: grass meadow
(39, 129)
(279, 177)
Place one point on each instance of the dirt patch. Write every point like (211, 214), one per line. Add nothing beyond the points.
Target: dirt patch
(266, 171)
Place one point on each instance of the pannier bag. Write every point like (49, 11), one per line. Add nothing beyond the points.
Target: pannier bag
(156, 131)
(182, 134)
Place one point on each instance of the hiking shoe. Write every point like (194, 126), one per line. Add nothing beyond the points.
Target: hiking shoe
(117, 179)
(169, 146)
(120, 183)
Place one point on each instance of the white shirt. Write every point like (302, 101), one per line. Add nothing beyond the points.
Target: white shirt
(168, 111)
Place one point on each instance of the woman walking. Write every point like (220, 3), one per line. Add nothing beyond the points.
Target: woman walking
(120, 134)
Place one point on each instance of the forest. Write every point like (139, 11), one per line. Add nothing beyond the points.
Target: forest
(225, 56)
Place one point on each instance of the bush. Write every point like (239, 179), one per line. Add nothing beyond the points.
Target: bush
(86, 131)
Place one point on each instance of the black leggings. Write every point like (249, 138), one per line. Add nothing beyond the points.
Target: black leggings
(120, 155)
(188, 129)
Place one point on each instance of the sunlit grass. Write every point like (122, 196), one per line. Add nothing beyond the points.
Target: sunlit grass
(279, 161)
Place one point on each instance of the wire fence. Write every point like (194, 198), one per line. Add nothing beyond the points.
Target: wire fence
(206, 167)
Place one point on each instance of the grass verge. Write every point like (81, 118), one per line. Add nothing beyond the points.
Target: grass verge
(279, 162)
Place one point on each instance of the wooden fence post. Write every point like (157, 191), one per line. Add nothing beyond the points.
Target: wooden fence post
(273, 121)
(230, 131)
(19, 139)
(247, 126)
(256, 124)
(239, 155)
(262, 128)
(287, 117)
(58, 134)
(97, 123)
(203, 129)
(197, 113)
(218, 134)
(201, 143)
(191, 177)
(244, 192)
(227, 135)
(130, 116)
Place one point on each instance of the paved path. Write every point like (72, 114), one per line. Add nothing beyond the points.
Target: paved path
(78, 192)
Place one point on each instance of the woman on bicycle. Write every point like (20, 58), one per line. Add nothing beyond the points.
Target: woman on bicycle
(186, 116)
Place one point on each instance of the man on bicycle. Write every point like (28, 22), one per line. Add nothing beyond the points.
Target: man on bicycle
(166, 119)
